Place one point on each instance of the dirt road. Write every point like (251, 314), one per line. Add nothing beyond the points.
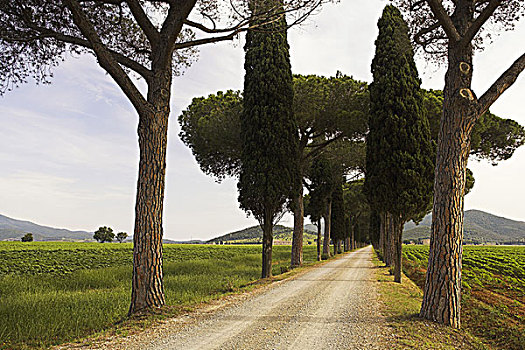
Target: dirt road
(333, 306)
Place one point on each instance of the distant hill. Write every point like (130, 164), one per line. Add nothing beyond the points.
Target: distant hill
(254, 235)
(12, 229)
(479, 227)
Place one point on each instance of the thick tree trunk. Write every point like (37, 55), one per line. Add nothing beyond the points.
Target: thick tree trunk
(267, 227)
(319, 240)
(442, 293)
(327, 224)
(298, 228)
(398, 233)
(147, 287)
(348, 243)
(147, 290)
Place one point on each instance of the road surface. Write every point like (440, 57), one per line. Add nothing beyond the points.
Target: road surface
(332, 306)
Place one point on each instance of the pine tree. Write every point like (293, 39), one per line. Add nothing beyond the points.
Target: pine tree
(268, 176)
(400, 152)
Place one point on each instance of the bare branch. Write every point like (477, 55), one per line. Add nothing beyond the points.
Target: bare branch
(482, 18)
(144, 22)
(422, 32)
(214, 30)
(501, 84)
(215, 39)
(446, 22)
(106, 59)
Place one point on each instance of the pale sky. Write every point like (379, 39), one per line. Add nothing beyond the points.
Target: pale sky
(69, 150)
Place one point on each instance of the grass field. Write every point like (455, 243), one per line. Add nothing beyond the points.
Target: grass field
(493, 303)
(54, 292)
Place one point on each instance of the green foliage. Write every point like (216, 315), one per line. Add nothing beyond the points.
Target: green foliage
(334, 107)
(269, 157)
(57, 291)
(493, 138)
(211, 128)
(357, 209)
(28, 237)
(104, 234)
(323, 180)
(121, 236)
(400, 153)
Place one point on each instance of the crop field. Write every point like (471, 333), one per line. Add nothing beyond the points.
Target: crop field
(53, 292)
(493, 303)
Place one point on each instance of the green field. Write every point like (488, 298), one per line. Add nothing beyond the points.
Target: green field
(493, 303)
(53, 292)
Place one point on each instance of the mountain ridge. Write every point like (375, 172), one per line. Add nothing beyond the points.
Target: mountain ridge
(479, 227)
(15, 229)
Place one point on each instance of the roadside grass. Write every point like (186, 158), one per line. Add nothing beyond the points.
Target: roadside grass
(43, 304)
(401, 307)
(493, 297)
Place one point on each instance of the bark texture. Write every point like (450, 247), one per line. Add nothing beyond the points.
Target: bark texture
(147, 285)
(442, 294)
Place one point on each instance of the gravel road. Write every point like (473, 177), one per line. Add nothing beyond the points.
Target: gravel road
(332, 306)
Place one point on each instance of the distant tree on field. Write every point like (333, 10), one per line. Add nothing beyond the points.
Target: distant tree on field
(104, 234)
(121, 236)
(28, 237)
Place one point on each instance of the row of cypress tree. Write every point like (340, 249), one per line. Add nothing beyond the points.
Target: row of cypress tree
(400, 153)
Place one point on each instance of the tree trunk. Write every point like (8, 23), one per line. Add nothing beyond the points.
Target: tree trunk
(327, 223)
(398, 233)
(352, 237)
(387, 242)
(348, 246)
(319, 240)
(382, 236)
(147, 289)
(298, 227)
(267, 227)
(442, 293)
(147, 286)
(391, 239)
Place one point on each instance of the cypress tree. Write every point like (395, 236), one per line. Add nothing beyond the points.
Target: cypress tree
(269, 136)
(400, 152)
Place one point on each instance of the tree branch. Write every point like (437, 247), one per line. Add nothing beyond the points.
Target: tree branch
(144, 22)
(214, 30)
(419, 35)
(120, 58)
(441, 15)
(482, 18)
(503, 83)
(208, 40)
(170, 30)
(106, 59)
